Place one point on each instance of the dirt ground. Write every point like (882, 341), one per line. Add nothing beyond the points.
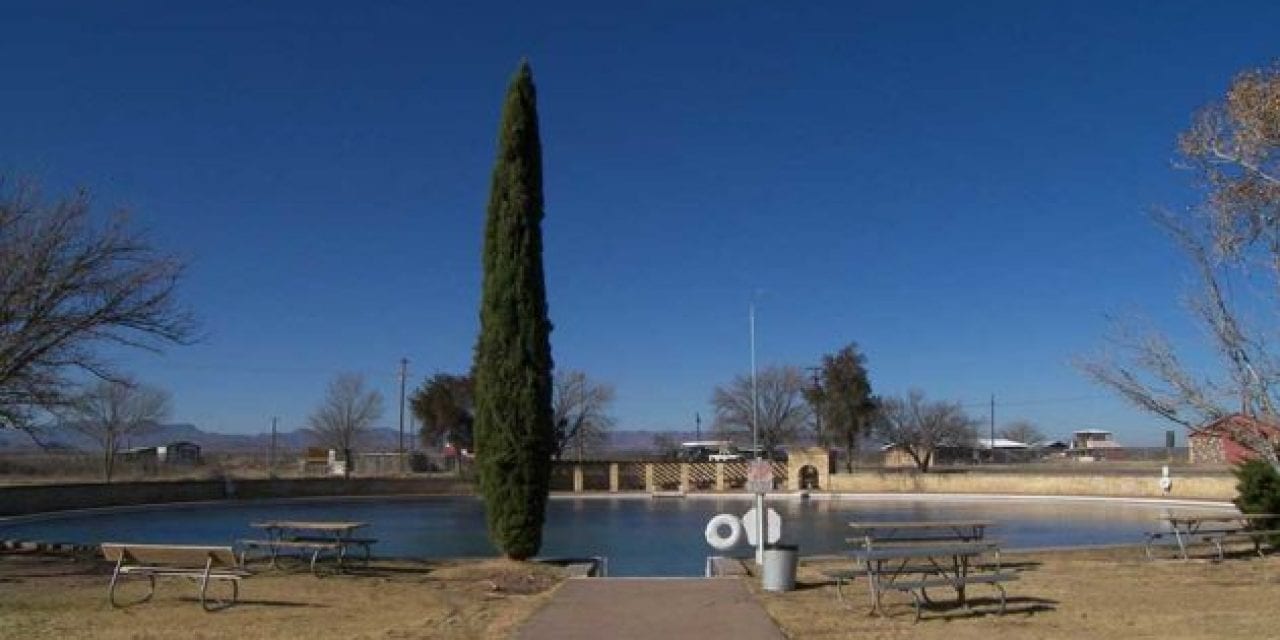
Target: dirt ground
(46, 597)
(1109, 594)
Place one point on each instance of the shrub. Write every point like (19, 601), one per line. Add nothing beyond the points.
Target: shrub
(514, 436)
(1258, 489)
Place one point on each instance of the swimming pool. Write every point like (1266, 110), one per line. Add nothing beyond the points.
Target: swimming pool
(639, 535)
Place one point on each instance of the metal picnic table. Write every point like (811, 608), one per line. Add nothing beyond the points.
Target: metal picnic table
(951, 562)
(284, 531)
(1185, 527)
(893, 532)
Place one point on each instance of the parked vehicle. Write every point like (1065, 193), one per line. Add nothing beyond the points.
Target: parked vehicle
(709, 451)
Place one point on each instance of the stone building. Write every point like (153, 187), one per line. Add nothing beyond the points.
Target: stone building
(1217, 442)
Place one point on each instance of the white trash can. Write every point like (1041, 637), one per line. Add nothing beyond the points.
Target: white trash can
(780, 562)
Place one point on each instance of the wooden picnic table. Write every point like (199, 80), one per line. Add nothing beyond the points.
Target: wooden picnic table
(338, 533)
(940, 565)
(1186, 526)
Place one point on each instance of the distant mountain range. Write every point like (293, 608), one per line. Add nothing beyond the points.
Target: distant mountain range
(67, 438)
(381, 439)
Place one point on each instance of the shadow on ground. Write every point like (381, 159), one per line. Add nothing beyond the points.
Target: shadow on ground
(981, 607)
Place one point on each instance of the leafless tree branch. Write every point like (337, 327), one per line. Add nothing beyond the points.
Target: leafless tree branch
(1233, 146)
(346, 415)
(580, 410)
(68, 288)
(784, 413)
(111, 411)
(920, 427)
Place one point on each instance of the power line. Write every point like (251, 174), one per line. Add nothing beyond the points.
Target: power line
(1023, 403)
(269, 370)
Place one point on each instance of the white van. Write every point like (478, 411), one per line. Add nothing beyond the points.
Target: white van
(709, 450)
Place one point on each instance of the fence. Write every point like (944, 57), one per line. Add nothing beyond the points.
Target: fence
(626, 475)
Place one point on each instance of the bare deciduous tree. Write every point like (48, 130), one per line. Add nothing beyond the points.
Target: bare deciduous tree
(784, 413)
(580, 409)
(919, 427)
(346, 415)
(111, 411)
(1233, 242)
(68, 288)
(1023, 431)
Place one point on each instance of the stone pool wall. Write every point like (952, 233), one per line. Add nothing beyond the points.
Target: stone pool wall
(618, 477)
(1220, 486)
(26, 499)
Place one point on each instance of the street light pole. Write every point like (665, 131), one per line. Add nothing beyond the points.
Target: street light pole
(755, 436)
(755, 403)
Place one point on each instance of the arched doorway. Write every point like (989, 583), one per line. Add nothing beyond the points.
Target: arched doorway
(809, 477)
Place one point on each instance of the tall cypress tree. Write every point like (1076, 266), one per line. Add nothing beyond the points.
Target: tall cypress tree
(513, 427)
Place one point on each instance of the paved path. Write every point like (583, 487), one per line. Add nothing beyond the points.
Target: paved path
(646, 608)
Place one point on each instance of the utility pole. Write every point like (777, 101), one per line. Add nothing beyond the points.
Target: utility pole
(271, 458)
(404, 368)
(697, 426)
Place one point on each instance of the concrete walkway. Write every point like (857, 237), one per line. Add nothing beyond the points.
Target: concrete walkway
(656, 608)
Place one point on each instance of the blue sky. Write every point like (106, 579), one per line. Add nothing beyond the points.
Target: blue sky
(961, 188)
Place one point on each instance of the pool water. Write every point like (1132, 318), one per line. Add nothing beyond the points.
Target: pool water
(639, 535)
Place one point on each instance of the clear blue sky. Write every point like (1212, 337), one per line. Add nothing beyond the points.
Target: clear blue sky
(959, 187)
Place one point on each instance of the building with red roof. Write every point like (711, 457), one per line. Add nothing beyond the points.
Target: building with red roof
(1219, 441)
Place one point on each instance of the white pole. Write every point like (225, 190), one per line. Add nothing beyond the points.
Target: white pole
(755, 403)
(755, 436)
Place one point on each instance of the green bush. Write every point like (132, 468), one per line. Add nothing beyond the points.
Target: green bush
(1258, 489)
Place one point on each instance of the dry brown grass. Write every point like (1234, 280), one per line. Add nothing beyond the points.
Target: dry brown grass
(1107, 595)
(61, 598)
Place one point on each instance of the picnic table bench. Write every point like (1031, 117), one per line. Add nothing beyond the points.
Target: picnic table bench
(274, 547)
(313, 537)
(896, 533)
(913, 557)
(365, 544)
(1186, 530)
(955, 566)
(203, 564)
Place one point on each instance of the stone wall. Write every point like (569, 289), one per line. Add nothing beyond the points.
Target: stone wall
(1207, 449)
(814, 457)
(26, 499)
(1198, 486)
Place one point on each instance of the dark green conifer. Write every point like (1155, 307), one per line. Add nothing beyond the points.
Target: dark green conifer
(513, 426)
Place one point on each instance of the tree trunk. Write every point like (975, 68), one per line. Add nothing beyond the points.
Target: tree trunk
(922, 463)
(849, 449)
(109, 455)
